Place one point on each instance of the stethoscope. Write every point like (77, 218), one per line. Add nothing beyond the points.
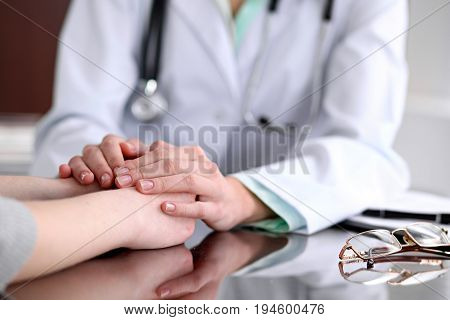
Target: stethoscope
(147, 103)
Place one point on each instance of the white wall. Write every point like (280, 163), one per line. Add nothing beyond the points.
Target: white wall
(429, 49)
(424, 137)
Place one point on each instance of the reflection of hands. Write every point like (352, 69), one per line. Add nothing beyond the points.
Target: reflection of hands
(129, 275)
(217, 256)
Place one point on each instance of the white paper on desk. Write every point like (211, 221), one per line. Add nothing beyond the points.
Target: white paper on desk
(417, 202)
(411, 202)
(382, 223)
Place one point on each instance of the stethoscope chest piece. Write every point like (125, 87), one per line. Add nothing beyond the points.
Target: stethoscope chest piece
(148, 104)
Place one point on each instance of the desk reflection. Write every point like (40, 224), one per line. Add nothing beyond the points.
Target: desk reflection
(127, 275)
(229, 265)
(402, 270)
(137, 275)
(219, 255)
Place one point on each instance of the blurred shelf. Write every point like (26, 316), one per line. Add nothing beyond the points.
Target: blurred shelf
(16, 142)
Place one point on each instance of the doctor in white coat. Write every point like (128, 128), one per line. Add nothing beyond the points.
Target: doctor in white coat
(235, 65)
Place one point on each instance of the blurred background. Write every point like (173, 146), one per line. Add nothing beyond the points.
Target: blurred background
(28, 39)
(27, 59)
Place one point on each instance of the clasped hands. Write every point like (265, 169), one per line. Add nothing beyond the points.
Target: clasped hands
(221, 202)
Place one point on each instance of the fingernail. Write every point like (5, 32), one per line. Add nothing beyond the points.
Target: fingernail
(146, 185)
(169, 207)
(121, 171)
(164, 292)
(105, 179)
(83, 175)
(124, 181)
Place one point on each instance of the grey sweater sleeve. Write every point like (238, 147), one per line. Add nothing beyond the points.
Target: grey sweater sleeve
(17, 238)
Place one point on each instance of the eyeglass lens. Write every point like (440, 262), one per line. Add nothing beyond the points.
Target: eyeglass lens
(375, 243)
(427, 234)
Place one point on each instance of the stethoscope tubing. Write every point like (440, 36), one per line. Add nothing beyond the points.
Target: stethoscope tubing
(154, 51)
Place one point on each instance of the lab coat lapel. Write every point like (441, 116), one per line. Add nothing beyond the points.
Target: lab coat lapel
(279, 23)
(206, 21)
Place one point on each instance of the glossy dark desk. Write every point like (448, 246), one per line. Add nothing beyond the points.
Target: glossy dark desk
(241, 265)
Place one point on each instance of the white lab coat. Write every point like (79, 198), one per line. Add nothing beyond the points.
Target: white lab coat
(349, 155)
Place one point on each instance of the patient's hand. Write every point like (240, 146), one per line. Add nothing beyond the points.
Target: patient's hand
(144, 225)
(79, 228)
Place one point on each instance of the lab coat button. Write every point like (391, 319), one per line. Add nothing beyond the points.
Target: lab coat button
(263, 120)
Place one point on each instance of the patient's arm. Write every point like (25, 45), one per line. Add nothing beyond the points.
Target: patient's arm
(73, 230)
(32, 188)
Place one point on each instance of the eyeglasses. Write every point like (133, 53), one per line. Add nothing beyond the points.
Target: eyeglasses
(368, 245)
(397, 271)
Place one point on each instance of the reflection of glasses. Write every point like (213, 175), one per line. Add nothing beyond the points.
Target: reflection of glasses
(381, 272)
(368, 245)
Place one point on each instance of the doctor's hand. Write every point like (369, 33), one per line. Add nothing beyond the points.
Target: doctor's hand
(98, 162)
(222, 202)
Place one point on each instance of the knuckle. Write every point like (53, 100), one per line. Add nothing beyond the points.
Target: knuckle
(198, 150)
(108, 144)
(89, 149)
(159, 144)
(75, 161)
(169, 166)
(211, 167)
(133, 141)
(215, 167)
(194, 152)
(190, 181)
(217, 173)
(109, 138)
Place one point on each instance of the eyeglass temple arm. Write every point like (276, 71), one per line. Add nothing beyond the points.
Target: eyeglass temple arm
(433, 250)
(342, 252)
(345, 248)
